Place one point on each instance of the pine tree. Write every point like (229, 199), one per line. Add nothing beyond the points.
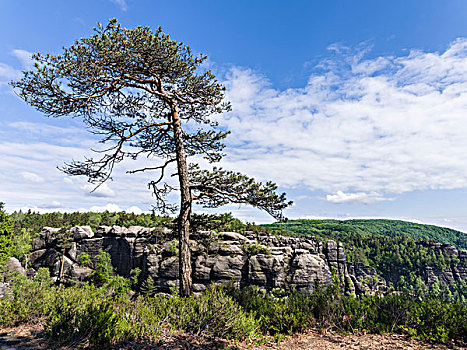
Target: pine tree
(139, 88)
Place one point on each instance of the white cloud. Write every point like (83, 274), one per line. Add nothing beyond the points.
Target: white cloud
(102, 191)
(386, 125)
(361, 197)
(121, 3)
(25, 57)
(134, 209)
(7, 73)
(52, 205)
(68, 180)
(31, 177)
(113, 208)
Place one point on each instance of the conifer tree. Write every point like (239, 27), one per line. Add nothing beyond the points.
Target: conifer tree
(138, 90)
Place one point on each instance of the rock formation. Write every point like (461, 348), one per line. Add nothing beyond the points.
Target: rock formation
(246, 259)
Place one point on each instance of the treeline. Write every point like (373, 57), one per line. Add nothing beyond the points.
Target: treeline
(341, 229)
(36, 221)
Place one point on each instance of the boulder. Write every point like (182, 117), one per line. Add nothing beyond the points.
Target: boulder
(117, 231)
(233, 236)
(103, 231)
(38, 243)
(35, 256)
(31, 272)
(267, 270)
(4, 290)
(332, 251)
(153, 265)
(49, 235)
(229, 248)
(13, 264)
(134, 231)
(203, 267)
(67, 265)
(196, 248)
(72, 252)
(306, 269)
(198, 287)
(78, 273)
(81, 232)
(228, 268)
(169, 268)
(89, 246)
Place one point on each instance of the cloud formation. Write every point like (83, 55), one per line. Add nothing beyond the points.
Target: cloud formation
(361, 197)
(120, 3)
(102, 191)
(31, 177)
(25, 57)
(360, 129)
(114, 208)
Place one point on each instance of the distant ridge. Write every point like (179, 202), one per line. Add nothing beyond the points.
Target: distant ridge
(366, 227)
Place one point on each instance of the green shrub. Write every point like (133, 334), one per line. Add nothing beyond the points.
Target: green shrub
(288, 314)
(213, 313)
(103, 270)
(84, 259)
(30, 298)
(255, 249)
(94, 324)
(98, 321)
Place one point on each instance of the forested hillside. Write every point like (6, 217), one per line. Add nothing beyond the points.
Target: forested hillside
(341, 230)
(409, 256)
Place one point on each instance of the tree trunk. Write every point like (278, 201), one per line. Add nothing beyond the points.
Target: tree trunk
(61, 266)
(186, 285)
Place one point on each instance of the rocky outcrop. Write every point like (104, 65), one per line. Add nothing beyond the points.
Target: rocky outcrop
(245, 259)
(451, 273)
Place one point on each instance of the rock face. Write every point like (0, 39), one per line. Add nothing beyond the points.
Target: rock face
(4, 289)
(266, 261)
(450, 274)
(13, 264)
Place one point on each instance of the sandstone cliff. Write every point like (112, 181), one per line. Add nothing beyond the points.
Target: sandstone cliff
(266, 261)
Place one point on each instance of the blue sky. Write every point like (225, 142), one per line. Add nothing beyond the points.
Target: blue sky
(355, 108)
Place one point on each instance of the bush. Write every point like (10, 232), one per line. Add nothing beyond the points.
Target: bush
(98, 321)
(288, 314)
(213, 313)
(29, 299)
(95, 323)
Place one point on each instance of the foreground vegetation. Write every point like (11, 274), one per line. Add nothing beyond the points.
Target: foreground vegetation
(99, 315)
